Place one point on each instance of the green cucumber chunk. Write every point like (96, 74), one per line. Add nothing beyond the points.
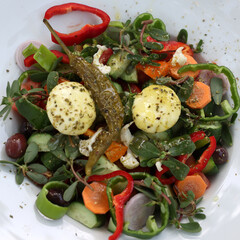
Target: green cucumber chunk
(118, 63)
(211, 168)
(104, 166)
(80, 213)
(41, 139)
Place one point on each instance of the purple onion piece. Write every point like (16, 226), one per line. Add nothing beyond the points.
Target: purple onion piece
(136, 212)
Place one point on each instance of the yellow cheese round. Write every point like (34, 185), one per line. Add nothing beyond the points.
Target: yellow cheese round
(156, 109)
(70, 108)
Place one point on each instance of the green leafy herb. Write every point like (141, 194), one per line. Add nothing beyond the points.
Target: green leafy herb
(70, 191)
(159, 34)
(31, 152)
(182, 36)
(186, 89)
(177, 168)
(52, 80)
(37, 177)
(216, 86)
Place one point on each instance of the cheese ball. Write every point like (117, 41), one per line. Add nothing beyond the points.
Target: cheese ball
(156, 109)
(70, 108)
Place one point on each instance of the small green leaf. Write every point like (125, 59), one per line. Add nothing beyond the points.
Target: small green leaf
(148, 181)
(216, 86)
(200, 216)
(6, 109)
(153, 45)
(35, 90)
(31, 152)
(52, 80)
(186, 89)
(39, 76)
(15, 88)
(182, 36)
(143, 148)
(59, 153)
(70, 191)
(159, 34)
(181, 145)
(146, 191)
(193, 227)
(19, 176)
(199, 47)
(177, 168)
(37, 167)
(37, 177)
(226, 135)
(71, 147)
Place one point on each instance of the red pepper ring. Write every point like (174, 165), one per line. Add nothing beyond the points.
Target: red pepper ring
(119, 199)
(87, 31)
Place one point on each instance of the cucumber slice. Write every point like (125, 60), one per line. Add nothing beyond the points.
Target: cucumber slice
(130, 77)
(104, 166)
(41, 139)
(80, 213)
(118, 63)
(211, 168)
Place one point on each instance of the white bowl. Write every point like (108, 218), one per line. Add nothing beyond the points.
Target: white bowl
(216, 22)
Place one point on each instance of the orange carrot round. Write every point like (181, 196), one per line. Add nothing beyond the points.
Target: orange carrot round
(194, 183)
(96, 199)
(200, 96)
(173, 70)
(115, 151)
(154, 72)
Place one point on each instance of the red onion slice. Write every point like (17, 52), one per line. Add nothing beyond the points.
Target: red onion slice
(136, 212)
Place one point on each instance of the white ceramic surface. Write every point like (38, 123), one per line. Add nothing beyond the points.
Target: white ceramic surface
(215, 21)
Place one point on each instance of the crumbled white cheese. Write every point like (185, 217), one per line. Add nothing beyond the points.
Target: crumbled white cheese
(129, 161)
(103, 68)
(126, 136)
(85, 146)
(158, 166)
(178, 58)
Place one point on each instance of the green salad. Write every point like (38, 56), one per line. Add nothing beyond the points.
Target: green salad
(121, 125)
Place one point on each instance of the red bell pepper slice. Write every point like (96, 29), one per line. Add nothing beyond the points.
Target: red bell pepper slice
(203, 160)
(105, 56)
(171, 46)
(87, 31)
(29, 61)
(118, 200)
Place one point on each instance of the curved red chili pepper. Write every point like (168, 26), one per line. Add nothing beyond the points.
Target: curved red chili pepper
(29, 61)
(119, 199)
(172, 46)
(87, 31)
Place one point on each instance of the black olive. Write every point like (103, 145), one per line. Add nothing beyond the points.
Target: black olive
(55, 196)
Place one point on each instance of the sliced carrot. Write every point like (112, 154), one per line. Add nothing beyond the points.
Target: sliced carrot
(154, 72)
(89, 133)
(96, 199)
(194, 183)
(200, 96)
(173, 70)
(115, 151)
